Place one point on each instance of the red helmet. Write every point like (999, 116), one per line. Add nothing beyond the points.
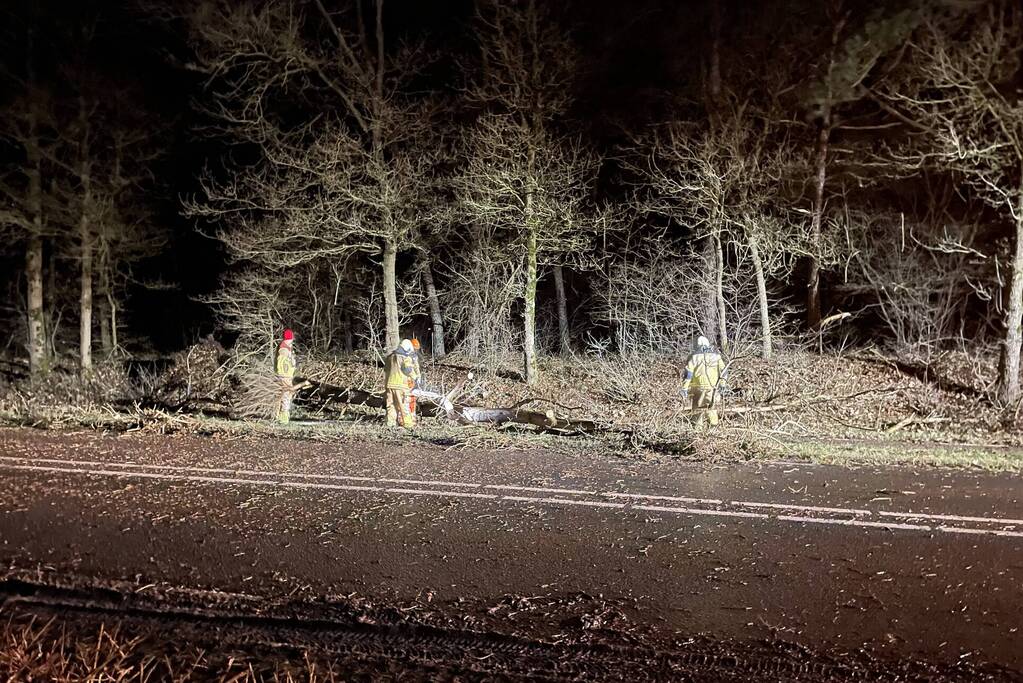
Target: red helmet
(288, 335)
(415, 343)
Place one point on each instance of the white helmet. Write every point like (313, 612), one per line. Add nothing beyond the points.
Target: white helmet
(702, 343)
(406, 346)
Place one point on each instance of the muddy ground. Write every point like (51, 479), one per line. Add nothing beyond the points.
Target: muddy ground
(402, 561)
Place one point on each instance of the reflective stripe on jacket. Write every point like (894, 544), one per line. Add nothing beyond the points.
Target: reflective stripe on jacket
(704, 371)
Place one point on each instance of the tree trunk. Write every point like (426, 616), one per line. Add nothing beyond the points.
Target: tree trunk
(529, 338)
(529, 314)
(813, 285)
(719, 293)
(36, 329)
(85, 244)
(392, 334)
(85, 312)
(437, 342)
(1009, 389)
(105, 306)
(708, 307)
(765, 318)
(563, 331)
(105, 340)
(113, 322)
(813, 295)
(714, 75)
(346, 318)
(37, 356)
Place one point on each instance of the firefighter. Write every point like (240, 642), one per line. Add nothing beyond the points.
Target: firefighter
(705, 376)
(285, 367)
(401, 372)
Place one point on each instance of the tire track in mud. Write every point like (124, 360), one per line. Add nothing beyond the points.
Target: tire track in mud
(677, 505)
(359, 645)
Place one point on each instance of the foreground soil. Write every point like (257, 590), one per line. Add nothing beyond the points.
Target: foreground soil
(511, 563)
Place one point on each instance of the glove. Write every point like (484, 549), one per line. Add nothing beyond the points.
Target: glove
(685, 394)
(418, 384)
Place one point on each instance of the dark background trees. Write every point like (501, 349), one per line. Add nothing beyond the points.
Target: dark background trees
(512, 179)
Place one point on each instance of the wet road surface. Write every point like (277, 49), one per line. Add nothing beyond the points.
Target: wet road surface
(909, 563)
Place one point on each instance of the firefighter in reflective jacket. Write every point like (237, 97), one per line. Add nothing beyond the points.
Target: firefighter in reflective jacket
(704, 378)
(402, 375)
(285, 367)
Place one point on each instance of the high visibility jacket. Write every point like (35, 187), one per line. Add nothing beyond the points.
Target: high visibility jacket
(285, 362)
(402, 370)
(704, 370)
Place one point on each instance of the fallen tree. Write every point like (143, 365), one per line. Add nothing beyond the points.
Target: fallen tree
(262, 392)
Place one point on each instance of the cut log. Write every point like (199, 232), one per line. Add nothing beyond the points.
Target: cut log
(323, 396)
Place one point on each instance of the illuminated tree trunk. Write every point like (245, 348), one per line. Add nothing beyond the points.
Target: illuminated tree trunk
(708, 303)
(529, 337)
(392, 338)
(34, 281)
(85, 245)
(1009, 388)
(529, 324)
(719, 293)
(37, 356)
(765, 318)
(437, 342)
(813, 289)
(563, 331)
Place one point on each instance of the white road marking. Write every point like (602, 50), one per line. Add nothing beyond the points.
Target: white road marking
(991, 532)
(419, 482)
(951, 518)
(808, 508)
(270, 478)
(854, 522)
(698, 511)
(428, 492)
(564, 501)
(676, 499)
(127, 474)
(537, 489)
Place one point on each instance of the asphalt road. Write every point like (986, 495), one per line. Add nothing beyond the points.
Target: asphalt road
(920, 563)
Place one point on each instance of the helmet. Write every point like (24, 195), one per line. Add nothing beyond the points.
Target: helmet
(406, 346)
(288, 335)
(415, 343)
(702, 343)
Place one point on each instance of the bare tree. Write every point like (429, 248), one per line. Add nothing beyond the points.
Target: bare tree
(956, 90)
(340, 181)
(924, 282)
(522, 175)
(854, 51)
(724, 182)
(26, 122)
